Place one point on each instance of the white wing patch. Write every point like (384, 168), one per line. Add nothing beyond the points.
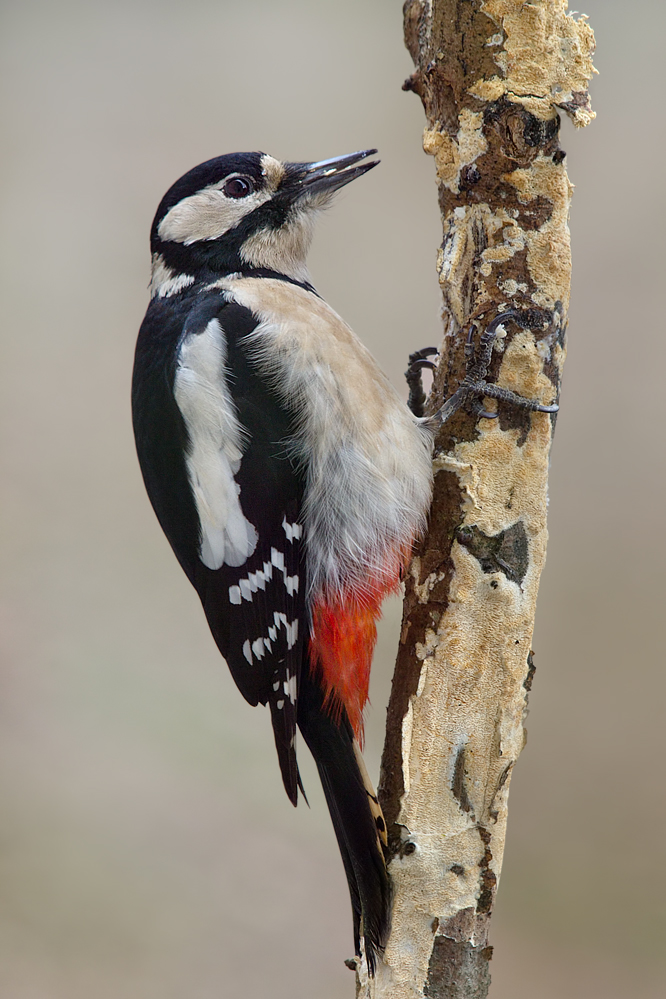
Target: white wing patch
(215, 451)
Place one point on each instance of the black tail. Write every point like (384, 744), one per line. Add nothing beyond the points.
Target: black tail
(333, 748)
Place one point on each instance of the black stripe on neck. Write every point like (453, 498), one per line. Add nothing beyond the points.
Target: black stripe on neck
(264, 272)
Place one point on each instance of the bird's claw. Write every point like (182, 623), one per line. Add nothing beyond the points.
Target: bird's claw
(474, 387)
(417, 362)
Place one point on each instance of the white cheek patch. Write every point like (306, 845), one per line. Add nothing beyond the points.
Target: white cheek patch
(215, 450)
(208, 214)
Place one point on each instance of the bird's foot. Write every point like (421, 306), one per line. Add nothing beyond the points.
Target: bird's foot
(474, 387)
(414, 376)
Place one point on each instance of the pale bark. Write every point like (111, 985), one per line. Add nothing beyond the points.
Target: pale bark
(491, 75)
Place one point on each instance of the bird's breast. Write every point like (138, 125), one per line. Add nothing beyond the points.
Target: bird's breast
(368, 463)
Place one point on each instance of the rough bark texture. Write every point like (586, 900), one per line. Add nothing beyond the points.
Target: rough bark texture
(491, 75)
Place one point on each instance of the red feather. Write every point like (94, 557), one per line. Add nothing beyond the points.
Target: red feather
(344, 634)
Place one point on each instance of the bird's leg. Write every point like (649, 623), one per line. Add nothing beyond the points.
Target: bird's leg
(474, 386)
(417, 362)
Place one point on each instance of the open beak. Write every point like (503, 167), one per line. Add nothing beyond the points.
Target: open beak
(329, 175)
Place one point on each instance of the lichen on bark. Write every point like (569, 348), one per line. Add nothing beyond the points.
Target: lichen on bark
(492, 75)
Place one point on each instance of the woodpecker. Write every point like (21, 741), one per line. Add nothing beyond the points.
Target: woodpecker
(287, 474)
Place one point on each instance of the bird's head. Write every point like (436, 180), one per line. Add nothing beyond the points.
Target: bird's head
(244, 212)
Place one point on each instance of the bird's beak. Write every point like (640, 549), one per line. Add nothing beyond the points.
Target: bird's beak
(327, 176)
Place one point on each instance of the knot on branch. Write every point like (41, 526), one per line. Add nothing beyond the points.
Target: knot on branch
(522, 135)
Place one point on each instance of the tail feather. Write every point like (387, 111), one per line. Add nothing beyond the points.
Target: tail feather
(332, 744)
(284, 732)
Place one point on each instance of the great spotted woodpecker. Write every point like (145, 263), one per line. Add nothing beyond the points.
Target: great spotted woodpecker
(285, 471)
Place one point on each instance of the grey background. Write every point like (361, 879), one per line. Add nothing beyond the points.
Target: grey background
(146, 847)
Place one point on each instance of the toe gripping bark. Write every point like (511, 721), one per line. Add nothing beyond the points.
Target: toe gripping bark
(474, 387)
(414, 376)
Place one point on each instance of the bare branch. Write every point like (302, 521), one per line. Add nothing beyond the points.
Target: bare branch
(491, 75)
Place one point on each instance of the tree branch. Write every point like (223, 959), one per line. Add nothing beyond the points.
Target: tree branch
(491, 75)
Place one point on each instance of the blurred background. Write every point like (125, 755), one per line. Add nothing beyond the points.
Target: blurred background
(147, 849)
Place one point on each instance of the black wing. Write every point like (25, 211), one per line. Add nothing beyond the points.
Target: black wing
(256, 611)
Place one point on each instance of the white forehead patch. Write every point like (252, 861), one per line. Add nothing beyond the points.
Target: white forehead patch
(272, 170)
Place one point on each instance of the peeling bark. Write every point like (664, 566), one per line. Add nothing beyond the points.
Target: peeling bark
(491, 75)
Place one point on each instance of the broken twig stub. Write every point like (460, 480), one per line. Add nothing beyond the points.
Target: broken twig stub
(492, 75)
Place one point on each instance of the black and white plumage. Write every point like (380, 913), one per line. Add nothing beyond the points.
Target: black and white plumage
(287, 474)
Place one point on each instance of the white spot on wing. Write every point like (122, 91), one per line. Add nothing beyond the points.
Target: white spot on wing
(247, 652)
(277, 558)
(258, 580)
(215, 448)
(290, 688)
(292, 633)
(292, 531)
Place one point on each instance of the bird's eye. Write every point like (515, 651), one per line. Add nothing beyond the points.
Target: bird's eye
(238, 187)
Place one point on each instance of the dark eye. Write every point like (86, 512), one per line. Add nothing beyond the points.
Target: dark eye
(238, 187)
